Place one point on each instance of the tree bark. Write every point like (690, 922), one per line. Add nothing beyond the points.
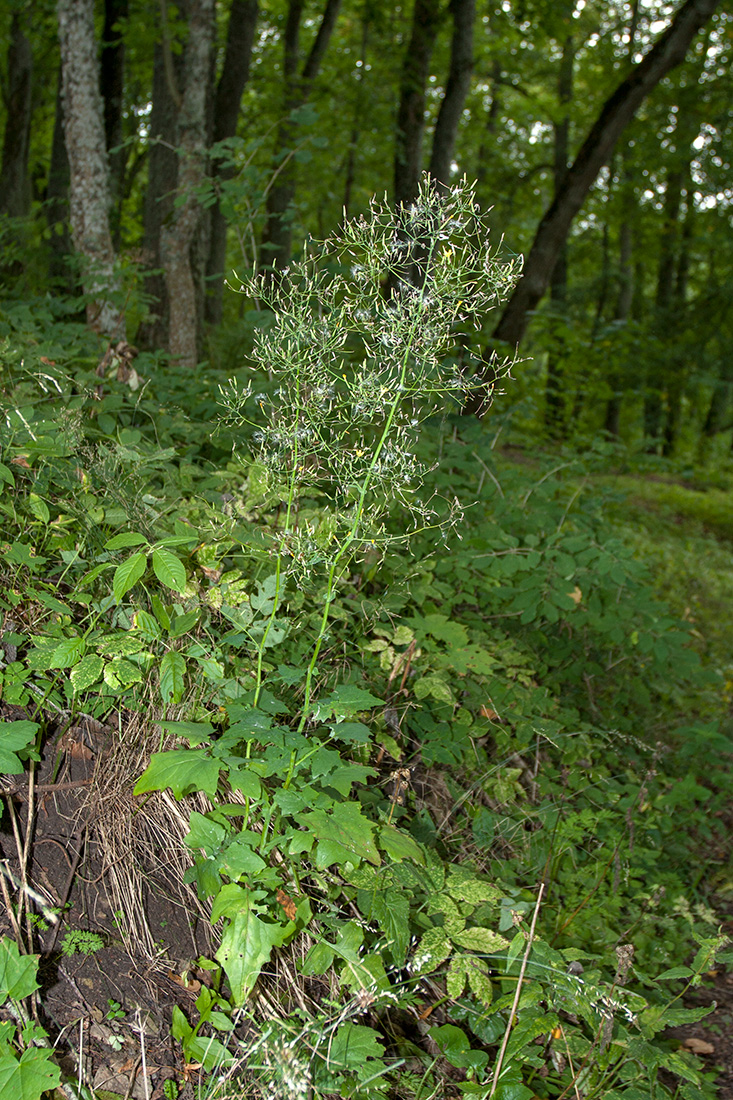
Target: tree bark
(179, 231)
(231, 85)
(85, 145)
(457, 87)
(158, 203)
(624, 299)
(56, 205)
(616, 113)
(411, 109)
(15, 192)
(112, 82)
(554, 400)
(278, 237)
(358, 115)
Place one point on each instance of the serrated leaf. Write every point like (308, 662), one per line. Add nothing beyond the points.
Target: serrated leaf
(125, 672)
(30, 1076)
(344, 834)
(169, 569)
(194, 732)
(456, 977)
(183, 770)
(17, 972)
(353, 1046)
(86, 673)
(433, 949)
(127, 574)
(14, 738)
(172, 677)
(125, 540)
(483, 940)
(67, 653)
(246, 945)
(399, 845)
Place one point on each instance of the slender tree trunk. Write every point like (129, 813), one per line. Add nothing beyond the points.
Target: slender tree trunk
(356, 122)
(616, 113)
(85, 145)
(554, 386)
(232, 82)
(15, 192)
(426, 16)
(488, 137)
(278, 237)
(463, 13)
(112, 82)
(625, 297)
(57, 206)
(158, 204)
(657, 378)
(179, 231)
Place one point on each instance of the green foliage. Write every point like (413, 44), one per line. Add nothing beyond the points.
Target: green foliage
(79, 942)
(400, 731)
(27, 1070)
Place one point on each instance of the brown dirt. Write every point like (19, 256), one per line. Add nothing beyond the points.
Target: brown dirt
(115, 1001)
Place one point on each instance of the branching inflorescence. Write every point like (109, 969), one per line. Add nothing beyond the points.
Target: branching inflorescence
(362, 350)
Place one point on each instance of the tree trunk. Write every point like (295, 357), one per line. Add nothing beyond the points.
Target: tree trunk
(554, 385)
(15, 192)
(457, 87)
(278, 237)
(232, 82)
(85, 145)
(56, 205)
(112, 81)
(179, 231)
(624, 299)
(158, 204)
(358, 115)
(616, 113)
(411, 111)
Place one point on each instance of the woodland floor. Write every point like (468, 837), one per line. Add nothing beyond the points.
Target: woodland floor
(114, 1005)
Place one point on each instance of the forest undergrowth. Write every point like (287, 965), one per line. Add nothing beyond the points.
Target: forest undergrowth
(448, 733)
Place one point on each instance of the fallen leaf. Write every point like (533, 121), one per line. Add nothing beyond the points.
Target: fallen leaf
(698, 1046)
(490, 713)
(287, 903)
(576, 595)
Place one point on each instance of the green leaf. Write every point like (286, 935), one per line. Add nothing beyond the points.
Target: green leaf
(17, 972)
(124, 540)
(160, 612)
(128, 574)
(14, 738)
(343, 835)
(194, 732)
(169, 569)
(6, 474)
(183, 770)
(39, 508)
(246, 945)
(86, 673)
(172, 676)
(67, 653)
(352, 1046)
(399, 845)
(30, 1076)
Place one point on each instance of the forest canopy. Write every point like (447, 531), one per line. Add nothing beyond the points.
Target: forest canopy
(151, 151)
